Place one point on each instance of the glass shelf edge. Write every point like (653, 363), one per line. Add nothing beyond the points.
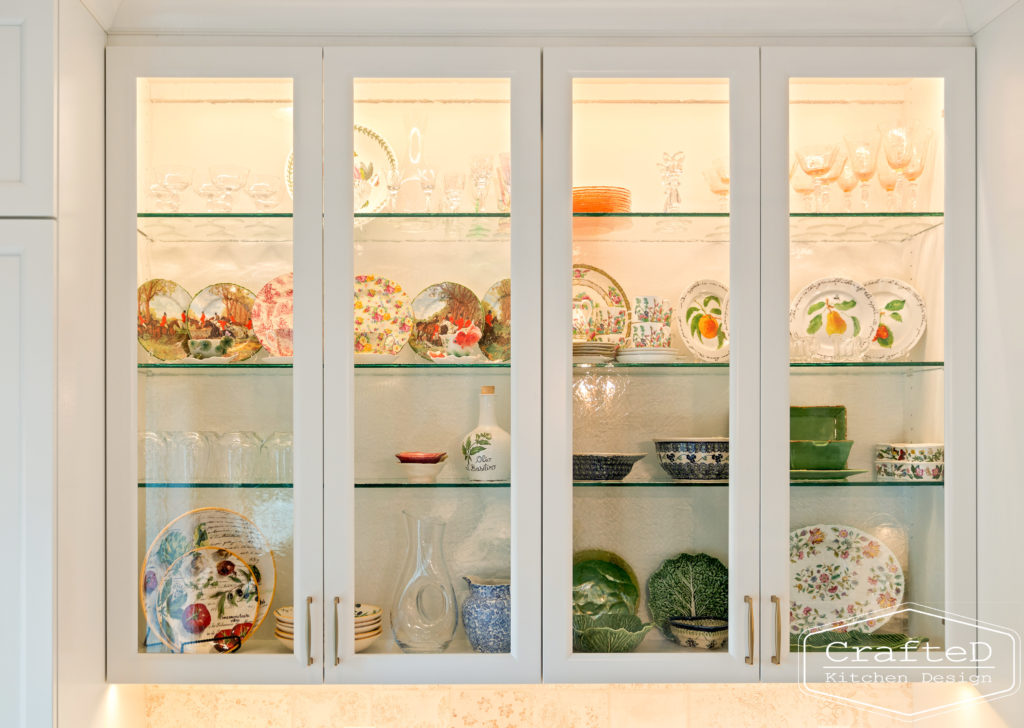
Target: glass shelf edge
(865, 483)
(400, 484)
(188, 215)
(192, 486)
(655, 484)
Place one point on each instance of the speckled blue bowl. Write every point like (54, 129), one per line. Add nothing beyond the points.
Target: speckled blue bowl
(603, 466)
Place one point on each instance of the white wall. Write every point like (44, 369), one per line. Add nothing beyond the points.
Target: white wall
(1000, 340)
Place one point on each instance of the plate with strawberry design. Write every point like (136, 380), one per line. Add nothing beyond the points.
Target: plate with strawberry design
(703, 318)
(839, 573)
(272, 316)
(901, 319)
(383, 318)
(207, 601)
(837, 316)
(448, 324)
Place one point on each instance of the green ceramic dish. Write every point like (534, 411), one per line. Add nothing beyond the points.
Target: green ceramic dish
(819, 454)
(689, 585)
(603, 583)
(608, 633)
(817, 423)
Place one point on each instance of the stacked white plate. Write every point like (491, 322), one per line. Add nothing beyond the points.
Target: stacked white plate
(369, 624)
(647, 355)
(284, 626)
(593, 352)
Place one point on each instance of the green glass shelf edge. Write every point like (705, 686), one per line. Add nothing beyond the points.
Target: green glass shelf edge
(389, 484)
(243, 365)
(465, 484)
(866, 483)
(866, 364)
(865, 215)
(431, 215)
(678, 215)
(430, 365)
(195, 486)
(188, 215)
(656, 484)
(199, 365)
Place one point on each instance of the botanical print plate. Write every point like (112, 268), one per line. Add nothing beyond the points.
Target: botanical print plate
(220, 323)
(207, 594)
(383, 319)
(372, 159)
(824, 474)
(703, 320)
(496, 342)
(447, 323)
(272, 316)
(162, 310)
(901, 319)
(216, 527)
(839, 573)
(606, 306)
(838, 315)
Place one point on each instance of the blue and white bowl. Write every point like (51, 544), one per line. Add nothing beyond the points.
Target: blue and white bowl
(694, 458)
(603, 466)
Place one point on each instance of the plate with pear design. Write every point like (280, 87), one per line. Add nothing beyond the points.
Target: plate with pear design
(839, 317)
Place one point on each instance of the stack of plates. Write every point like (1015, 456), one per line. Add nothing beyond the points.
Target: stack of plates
(593, 352)
(369, 625)
(601, 199)
(647, 355)
(284, 628)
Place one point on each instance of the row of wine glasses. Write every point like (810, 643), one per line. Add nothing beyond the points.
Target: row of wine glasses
(217, 187)
(483, 170)
(215, 457)
(906, 151)
(671, 169)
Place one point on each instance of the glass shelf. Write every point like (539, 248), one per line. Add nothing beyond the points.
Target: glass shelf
(426, 366)
(869, 482)
(389, 483)
(157, 366)
(651, 227)
(224, 367)
(434, 227)
(860, 227)
(215, 485)
(652, 484)
(215, 227)
(800, 367)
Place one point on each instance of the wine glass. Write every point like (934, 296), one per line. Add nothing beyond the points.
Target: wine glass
(217, 198)
(174, 177)
(265, 191)
(847, 182)
(428, 181)
(863, 151)
(803, 185)
(888, 178)
(924, 150)
(393, 179)
(831, 176)
(480, 172)
(671, 166)
(815, 160)
(231, 178)
(719, 187)
(504, 182)
(453, 185)
(164, 199)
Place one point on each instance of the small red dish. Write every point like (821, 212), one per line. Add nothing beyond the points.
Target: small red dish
(421, 457)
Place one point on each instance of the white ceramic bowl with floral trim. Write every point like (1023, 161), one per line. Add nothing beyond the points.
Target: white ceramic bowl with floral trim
(895, 470)
(913, 452)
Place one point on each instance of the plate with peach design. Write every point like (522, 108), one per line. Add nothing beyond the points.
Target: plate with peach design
(838, 574)
(703, 318)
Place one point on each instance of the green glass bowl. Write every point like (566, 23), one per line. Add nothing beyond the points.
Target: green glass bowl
(819, 454)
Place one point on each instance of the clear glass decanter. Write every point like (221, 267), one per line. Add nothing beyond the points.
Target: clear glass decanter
(424, 612)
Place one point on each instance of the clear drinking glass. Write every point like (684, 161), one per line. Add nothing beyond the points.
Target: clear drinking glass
(921, 158)
(188, 455)
(480, 170)
(163, 198)
(816, 160)
(803, 185)
(265, 191)
(231, 178)
(278, 455)
(863, 151)
(453, 185)
(176, 177)
(428, 181)
(237, 457)
(847, 182)
(504, 182)
(832, 176)
(424, 612)
(888, 178)
(152, 457)
(719, 188)
(217, 198)
(671, 166)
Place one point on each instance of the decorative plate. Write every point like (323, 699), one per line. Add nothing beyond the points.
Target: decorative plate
(372, 159)
(606, 303)
(383, 319)
(703, 320)
(162, 310)
(649, 355)
(838, 314)
(603, 583)
(272, 316)
(285, 614)
(367, 611)
(447, 322)
(215, 527)
(823, 474)
(689, 585)
(220, 323)
(496, 342)
(839, 573)
(207, 594)
(901, 319)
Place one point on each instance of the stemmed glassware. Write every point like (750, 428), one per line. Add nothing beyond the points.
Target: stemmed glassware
(816, 160)
(393, 181)
(428, 181)
(453, 185)
(265, 191)
(831, 176)
(898, 144)
(924, 149)
(847, 182)
(167, 185)
(217, 198)
(671, 166)
(230, 177)
(480, 169)
(863, 151)
(888, 179)
(802, 184)
(504, 182)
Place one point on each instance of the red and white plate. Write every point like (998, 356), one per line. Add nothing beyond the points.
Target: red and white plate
(272, 316)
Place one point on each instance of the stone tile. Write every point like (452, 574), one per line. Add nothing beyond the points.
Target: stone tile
(331, 706)
(573, 706)
(649, 706)
(482, 706)
(426, 706)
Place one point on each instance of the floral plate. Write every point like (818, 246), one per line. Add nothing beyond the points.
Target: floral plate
(704, 320)
(609, 310)
(272, 316)
(839, 573)
(383, 319)
(216, 527)
(220, 323)
(901, 319)
(839, 316)
(496, 342)
(447, 323)
(207, 601)
(162, 310)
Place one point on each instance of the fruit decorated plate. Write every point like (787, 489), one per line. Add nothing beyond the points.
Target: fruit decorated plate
(838, 315)
(704, 320)
(220, 323)
(272, 316)
(447, 324)
(207, 601)
(838, 573)
(383, 319)
(603, 583)
(372, 159)
(824, 474)
(606, 305)
(901, 319)
(496, 343)
(214, 527)
(162, 310)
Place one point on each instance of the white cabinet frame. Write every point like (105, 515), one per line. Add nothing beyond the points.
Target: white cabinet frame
(956, 67)
(124, 661)
(522, 66)
(740, 66)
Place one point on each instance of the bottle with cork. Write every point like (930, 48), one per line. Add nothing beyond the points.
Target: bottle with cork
(486, 450)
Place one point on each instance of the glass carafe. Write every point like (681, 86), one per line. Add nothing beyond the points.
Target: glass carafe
(424, 612)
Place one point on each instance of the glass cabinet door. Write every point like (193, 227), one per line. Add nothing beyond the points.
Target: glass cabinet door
(213, 194)
(432, 364)
(650, 365)
(880, 349)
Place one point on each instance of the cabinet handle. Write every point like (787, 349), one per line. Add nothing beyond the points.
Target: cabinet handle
(337, 660)
(309, 631)
(750, 630)
(777, 657)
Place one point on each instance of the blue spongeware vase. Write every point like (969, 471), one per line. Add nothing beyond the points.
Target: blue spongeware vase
(487, 614)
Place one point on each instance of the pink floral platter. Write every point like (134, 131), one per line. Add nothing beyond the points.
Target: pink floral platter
(272, 316)
(383, 318)
(840, 573)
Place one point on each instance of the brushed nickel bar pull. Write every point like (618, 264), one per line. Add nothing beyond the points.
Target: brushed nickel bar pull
(337, 660)
(309, 631)
(777, 657)
(750, 630)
